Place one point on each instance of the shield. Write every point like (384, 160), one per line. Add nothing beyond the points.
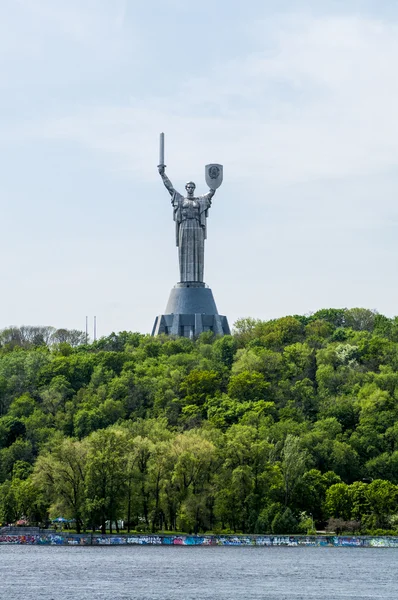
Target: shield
(213, 175)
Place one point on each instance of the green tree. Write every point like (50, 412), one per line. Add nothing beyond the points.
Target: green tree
(310, 492)
(338, 503)
(295, 461)
(224, 350)
(199, 385)
(107, 452)
(383, 501)
(247, 387)
(61, 474)
(195, 460)
(284, 522)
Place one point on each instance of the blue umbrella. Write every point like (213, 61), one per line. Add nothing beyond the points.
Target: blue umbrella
(60, 520)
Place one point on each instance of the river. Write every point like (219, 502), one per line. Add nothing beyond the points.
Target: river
(168, 573)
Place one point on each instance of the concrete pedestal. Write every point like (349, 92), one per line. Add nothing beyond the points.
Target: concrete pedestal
(190, 311)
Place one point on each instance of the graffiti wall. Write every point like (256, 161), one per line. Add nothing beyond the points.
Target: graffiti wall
(65, 539)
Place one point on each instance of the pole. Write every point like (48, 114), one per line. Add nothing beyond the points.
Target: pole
(161, 150)
(86, 330)
(95, 329)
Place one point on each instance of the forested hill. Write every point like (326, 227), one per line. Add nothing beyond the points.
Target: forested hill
(285, 424)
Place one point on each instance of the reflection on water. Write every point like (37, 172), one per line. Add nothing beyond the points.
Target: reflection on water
(152, 573)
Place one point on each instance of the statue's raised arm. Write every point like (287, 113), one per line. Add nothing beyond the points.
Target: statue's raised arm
(166, 181)
(209, 195)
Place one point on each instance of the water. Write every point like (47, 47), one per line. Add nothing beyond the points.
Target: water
(152, 573)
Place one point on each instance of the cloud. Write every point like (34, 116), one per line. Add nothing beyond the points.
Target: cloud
(318, 102)
(45, 43)
(81, 21)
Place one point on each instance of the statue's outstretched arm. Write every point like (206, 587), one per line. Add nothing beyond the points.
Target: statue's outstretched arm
(209, 196)
(167, 183)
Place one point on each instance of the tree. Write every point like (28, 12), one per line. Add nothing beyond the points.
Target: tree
(284, 522)
(194, 461)
(360, 319)
(61, 475)
(143, 448)
(294, 464)
(25, 336)
(334, 316)
(298, 361)
(247, 387)
(199, 385)
(244, 329)
(19, 373)
(224, 350)
(360, 506)
(241, 489)
(384, 466)
(310, 492)
(56, 395)
(338, 503)
(20, 450)
(11, 429)
(383, 501)
(107, 452)
(73, 337)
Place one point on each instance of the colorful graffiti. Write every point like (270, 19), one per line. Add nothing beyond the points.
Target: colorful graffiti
(62, 539)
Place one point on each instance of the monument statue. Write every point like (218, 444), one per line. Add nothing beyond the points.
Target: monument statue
(191, 308)
(190, 215)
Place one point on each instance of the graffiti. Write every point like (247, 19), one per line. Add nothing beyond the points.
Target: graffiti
(108, 540)
(144, 540)
(231, 540)
(61, 539)
(348, 541)
(381, 542)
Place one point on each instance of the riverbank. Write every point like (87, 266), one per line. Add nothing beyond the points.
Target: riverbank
(65, 539)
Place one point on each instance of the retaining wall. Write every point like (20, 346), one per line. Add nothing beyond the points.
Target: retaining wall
(65, 539)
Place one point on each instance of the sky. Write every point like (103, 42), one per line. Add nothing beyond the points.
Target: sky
(297, 99)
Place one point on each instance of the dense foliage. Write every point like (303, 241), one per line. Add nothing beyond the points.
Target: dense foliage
(285, 425)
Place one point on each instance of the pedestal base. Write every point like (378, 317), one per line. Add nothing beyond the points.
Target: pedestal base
(190, 311)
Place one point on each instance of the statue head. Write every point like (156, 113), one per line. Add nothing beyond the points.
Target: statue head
(190, 187)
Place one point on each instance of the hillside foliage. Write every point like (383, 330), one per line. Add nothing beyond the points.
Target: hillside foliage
(284, 426)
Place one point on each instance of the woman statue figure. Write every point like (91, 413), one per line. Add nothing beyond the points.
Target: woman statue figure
(190, 214)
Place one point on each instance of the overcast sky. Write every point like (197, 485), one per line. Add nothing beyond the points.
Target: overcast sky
(297, 99)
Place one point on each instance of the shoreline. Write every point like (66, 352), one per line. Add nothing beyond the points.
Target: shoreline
(65, 539)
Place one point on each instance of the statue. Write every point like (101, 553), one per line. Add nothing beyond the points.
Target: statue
(191, 309)
(190, 214)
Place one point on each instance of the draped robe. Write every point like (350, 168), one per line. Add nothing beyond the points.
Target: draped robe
(190, 216)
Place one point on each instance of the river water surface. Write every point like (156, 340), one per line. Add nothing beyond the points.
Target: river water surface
(152, 573)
